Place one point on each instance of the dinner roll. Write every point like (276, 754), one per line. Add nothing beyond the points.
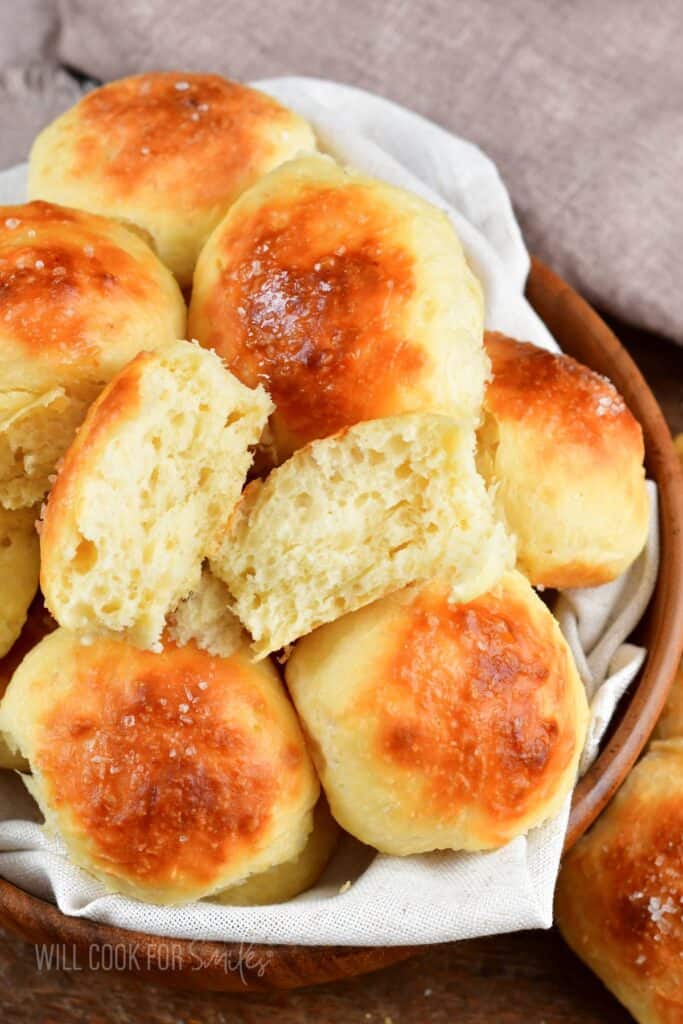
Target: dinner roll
(204, 619)
(436, 725)
(349, 299)
(79, 297)
(19, 570)
(285, 881)
(168, 776)
(38, 624)
(619, 900)
(354, 516)
(161, 458)
(566, 456)
(169, 151)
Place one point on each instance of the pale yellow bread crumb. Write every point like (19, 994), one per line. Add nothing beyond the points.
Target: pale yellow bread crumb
(352, 517)
(157, 465)
(169, 151)
(348, 298)
(285, 881)
(167, 776)
(439, 725)
(81, 296)
(204, 618)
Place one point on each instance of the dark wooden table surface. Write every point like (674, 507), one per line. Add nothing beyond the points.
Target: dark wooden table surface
(530, 977)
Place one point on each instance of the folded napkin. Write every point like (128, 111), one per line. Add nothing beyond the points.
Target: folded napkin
(434, 897)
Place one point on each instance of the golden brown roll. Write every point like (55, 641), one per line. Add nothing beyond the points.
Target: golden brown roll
(169, 151)
(157, 466)
(285, 881)
(79, 297)
(168, 776)
(349, 299)
(38, 624)
(619, 900)
(442, 726)
(19, 570)
(567, 457)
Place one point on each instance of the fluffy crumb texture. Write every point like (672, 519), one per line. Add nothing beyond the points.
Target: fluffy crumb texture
(619, 900)
(80, 296)
(38, 624)
(285, 881)
(169, 151)
(168, 776)
(158, 463)
(204, 618)
(19, 569)
(438, 725)
(348, 298)
(566, 457)
(352, 517)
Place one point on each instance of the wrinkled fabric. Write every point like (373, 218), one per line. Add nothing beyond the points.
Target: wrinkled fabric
(579, 104)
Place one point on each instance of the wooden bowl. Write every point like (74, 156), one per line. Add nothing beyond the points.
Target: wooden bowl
(229, 967)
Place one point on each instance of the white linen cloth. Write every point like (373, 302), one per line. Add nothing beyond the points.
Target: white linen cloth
(435, 897)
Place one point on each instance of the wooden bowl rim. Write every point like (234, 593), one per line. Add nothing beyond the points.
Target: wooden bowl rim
(291, 966)
(665, 640)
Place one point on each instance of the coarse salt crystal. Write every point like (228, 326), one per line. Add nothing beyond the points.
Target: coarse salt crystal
(172, 753)
(88, 250)
(183, 708)
(202, 684)
(182, 86)
(129, 720)
(39, 265)
(12, 223)
(182, 839)
(190, 750)
(144, 150)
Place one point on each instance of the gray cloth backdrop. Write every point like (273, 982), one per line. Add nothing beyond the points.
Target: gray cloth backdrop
(579, 103)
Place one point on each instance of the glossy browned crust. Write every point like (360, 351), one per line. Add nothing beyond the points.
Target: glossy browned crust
(310, 302)
(147, 758)
(55, 266)
(477, 700)
(572, 403)
(196, 135)
(620, 895)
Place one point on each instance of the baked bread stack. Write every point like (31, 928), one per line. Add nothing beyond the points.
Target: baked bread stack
(339, 360)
